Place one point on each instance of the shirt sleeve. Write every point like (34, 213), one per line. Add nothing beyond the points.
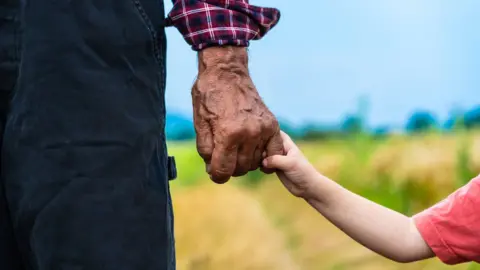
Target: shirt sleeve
(205, 23)
(452, 227)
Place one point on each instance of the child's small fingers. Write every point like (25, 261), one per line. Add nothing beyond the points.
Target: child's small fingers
(268, 162)
(287, 141)
(277, 162)
(265, 163)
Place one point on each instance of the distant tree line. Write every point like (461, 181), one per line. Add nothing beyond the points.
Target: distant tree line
(420, 121)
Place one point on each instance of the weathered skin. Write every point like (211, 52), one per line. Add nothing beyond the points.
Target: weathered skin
(234, 127)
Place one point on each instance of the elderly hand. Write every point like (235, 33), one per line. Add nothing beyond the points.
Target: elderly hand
(233, 125)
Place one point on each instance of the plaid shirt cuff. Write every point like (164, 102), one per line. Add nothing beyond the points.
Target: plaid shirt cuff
(206, 23)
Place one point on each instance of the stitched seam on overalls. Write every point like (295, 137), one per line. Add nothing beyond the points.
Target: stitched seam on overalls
(157, 48)
(153, 33)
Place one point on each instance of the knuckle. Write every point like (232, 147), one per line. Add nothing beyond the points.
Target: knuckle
(204, 151)
(270, 123)
(233, 131)
(248, 130)
(252, 130)
(203, 146)
(275, 126)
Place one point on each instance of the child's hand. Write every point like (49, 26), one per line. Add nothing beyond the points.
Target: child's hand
(293, 169)
(378, 228)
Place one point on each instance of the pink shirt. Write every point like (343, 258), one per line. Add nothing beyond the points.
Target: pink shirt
(452, 227)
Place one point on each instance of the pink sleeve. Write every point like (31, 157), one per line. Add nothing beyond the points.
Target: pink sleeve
(452, 227)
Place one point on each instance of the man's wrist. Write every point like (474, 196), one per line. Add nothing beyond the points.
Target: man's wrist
(223, 57)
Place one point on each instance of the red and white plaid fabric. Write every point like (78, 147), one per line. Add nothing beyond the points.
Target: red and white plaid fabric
(205, 23)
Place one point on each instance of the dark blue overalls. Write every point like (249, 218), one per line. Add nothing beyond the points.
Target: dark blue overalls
(84, 165)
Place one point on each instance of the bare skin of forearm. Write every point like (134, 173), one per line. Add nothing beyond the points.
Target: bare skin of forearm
(378, 228)
(226, 58)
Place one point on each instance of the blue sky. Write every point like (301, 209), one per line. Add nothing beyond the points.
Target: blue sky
(324, 55)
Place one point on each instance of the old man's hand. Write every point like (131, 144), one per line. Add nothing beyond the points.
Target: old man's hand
(233, 125)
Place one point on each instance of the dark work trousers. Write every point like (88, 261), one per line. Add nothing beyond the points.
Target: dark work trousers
(84, 165)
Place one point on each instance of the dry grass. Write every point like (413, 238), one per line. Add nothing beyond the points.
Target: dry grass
(475, 154)
(317, 244)
(235, 228)
(223, 227)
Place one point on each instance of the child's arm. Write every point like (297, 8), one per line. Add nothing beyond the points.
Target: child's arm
(380, 229)
(448, 230)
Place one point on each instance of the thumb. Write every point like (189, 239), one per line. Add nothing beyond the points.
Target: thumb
(279, 162)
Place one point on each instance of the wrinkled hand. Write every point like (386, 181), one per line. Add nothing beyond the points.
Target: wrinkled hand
(233, 125)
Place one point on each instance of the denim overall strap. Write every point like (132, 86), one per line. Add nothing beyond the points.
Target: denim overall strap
(84, 158)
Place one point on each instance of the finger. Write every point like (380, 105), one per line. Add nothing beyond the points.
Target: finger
(288, 144)
(263, 168)
(257, 159)
(207, 168)
(279, 162)
(266, 170)
(204, 139)
(224, 160)
(244, 158)
(274, 147)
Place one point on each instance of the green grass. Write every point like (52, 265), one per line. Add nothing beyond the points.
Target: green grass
(406, 178)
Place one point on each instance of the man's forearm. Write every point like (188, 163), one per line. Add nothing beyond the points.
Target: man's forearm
(378, 228)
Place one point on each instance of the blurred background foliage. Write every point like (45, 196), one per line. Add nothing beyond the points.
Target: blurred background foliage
(253, 223)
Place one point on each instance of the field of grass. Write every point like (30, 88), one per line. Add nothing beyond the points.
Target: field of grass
(253, 223)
